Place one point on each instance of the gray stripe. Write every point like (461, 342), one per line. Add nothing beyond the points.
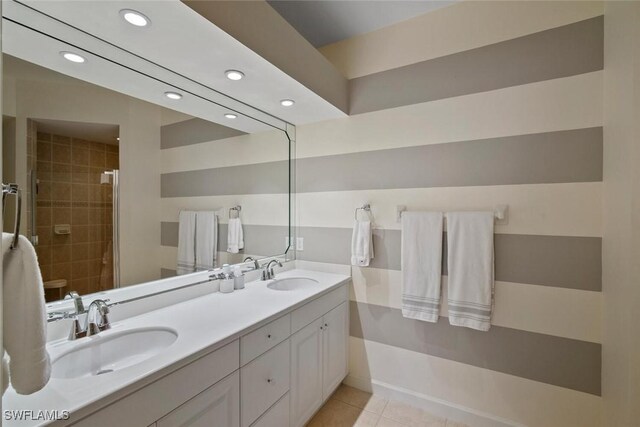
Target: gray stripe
(260, 178)
(549, 359)
(560, 261)
(262, 240)
(551, 157)
(194, 131)
(559, 52)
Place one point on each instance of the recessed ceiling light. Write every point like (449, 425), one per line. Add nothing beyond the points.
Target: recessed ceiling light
(173, 95)
(134, 17)
(73, 57)
(287, 102)
(234, 74)
(231, 116)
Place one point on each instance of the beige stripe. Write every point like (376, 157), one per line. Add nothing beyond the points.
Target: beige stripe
(568, 313)
(463, 26)
(568, 103)
(530, 403)
(257, 209)
(553, 360)
(559, 52)
(569, 209)
(252, 148)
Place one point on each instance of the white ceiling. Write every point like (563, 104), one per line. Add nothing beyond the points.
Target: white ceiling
(324, 22)
(182, 41)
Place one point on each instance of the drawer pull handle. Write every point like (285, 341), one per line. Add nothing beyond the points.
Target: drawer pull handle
(270, 380)
(326, 325)
(269, 336)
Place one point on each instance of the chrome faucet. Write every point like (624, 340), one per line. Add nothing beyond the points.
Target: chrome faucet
(93, 324)
(256, 264)
(268, 273)
(97, 319)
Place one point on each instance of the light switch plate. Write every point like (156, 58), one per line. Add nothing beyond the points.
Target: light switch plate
(300, 244)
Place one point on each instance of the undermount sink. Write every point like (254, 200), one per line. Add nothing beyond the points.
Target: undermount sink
(291, 284)
(105, 354)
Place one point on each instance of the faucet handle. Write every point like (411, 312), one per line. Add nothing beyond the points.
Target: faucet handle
(77, 301)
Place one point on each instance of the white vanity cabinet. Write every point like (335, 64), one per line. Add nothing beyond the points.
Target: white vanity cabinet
(219, 405)
(274, 375)
(318, 362)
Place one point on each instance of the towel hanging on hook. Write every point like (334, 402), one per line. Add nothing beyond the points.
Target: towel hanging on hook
(366, 207)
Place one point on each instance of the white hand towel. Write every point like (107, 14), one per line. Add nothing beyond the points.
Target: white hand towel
(206, 240)
(235, 237)
(470, 261)
(25, 319)
(361, 244)
(421, 265)
(186, 242)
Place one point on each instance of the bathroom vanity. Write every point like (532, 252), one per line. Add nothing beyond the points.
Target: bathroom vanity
(267, 355)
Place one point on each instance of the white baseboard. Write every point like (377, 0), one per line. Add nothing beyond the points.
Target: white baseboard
(439, 407)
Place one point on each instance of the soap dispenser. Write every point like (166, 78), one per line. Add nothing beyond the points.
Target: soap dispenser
(238, 278)
(227, 282)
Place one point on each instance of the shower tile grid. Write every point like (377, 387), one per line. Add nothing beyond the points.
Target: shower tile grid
(350, 407)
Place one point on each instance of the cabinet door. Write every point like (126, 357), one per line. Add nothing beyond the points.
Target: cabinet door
(335, 336)
(306, 373)
(218, 405)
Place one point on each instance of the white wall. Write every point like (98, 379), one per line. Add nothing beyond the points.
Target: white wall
(139, 124)
(621, 237)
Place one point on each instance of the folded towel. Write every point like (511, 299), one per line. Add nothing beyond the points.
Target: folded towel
(361, 244)
(235, 237)
(186, 242)
(421, 265)
(206, 240)
(25, 318)
(470, 261)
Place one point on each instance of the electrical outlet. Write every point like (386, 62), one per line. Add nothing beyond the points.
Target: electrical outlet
(300, 244)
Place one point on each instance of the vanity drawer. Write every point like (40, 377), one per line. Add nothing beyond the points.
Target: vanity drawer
(276, 416)
(263, 381)
(257, 342)
(318, 307)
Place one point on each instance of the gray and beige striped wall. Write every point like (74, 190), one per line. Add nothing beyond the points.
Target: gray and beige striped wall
(207, 166)
(466, 107)
(470, 106)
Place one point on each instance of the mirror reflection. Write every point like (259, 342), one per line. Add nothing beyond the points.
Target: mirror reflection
(119, 191)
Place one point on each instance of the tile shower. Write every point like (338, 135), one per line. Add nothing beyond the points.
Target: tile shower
(70, 193)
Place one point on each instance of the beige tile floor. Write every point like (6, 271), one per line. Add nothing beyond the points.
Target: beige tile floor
(350, 407)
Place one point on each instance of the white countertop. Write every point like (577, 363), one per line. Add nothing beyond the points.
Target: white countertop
(203, 325)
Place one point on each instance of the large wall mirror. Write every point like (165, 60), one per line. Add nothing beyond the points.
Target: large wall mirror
(129, 172)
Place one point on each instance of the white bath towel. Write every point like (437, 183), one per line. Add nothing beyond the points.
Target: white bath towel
(206, 240)
(470, 261)
(361, 244)
(421, 264)
(186, 242)
(235, 236)
(25, 319)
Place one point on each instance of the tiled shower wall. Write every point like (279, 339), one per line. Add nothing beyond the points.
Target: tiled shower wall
(69, 192)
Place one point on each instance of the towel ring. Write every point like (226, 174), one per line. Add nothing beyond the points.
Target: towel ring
(237, 209)
(366, 207)
(12, 189)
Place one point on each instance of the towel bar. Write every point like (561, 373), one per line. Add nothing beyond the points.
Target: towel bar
(500, 213)
(12, 189)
